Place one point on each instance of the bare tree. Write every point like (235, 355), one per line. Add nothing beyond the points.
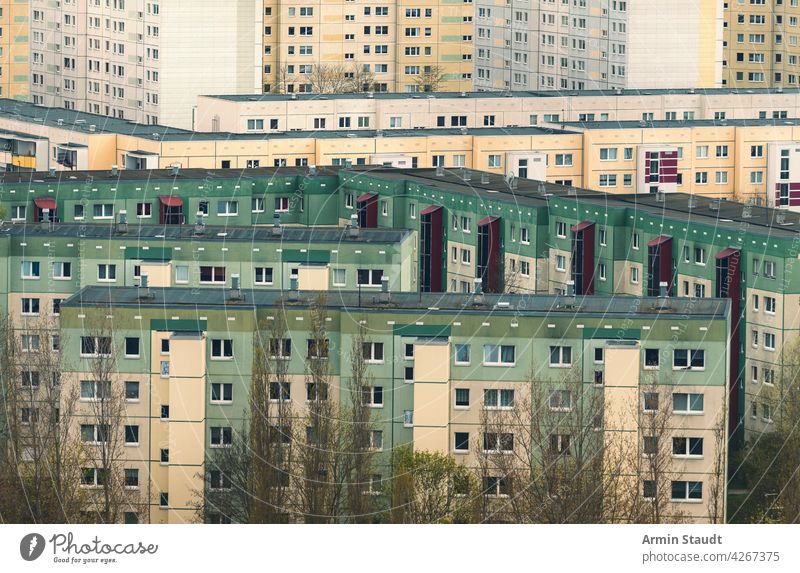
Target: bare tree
(431, 78)
(357, 433)
(103, 427)
(717, 483)
(321, 464)
(271, 424)
(542, 453)
(39, 449)
(430, 487)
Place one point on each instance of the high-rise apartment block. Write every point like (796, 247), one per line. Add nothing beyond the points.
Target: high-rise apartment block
(14, 36)
(597, 44)
(761, 46)
(378, 45)
(141, 59)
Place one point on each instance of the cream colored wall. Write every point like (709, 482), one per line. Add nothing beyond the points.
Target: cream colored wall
(313, 277)
(158, 274)
(622, 278)
(431, 396)
(559, 279)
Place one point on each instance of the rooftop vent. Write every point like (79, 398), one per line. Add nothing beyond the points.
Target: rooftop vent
(463, 94)
(466, 174)
(312, 170)
(511, 181)
(176, 170)
(661, 197)
(200, 224)
(747, 212)
(277, 228)
(353, 230)
(236, 292)
(122, 222)
(292, 96)
(114, 171)
(370, 95)
(780, 218)
(484, 178)
(60, 121)
(143, 292)
(477, 299)
(714, 205)
(692, 202)
(385, 295)
(51, 172)
(440, 170)
(92, 128)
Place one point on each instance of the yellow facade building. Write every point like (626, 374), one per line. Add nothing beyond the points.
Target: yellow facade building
(14, 38)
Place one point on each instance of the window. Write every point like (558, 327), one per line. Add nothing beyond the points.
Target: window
(769, 269)
(95, 390)
(687, 447)
(561, 263)
(684, 359)
(769, 341)
(132, 391)
(280, 391)
(651, 359)
(687, 403)
(372, 396)
(769, 304)
(495, 162)
(560, 400)
(649, 445)
(263, 275)
(648, 489)
(227, 208)
(559, 444)
(92, 346)
(608, 154)
(461, 442)
(221, 436)
(466, 257)
(164, 455)
(165, 411)
(608, 180)
(131, 435)
(524, 235)
(498, 442)
(687, 491)
(181, 274)
(30, 270)
(94, 433)
(563, 159)
(561, 229)
(462, 397)
(635, 241)
(18, 212)
(339, 277)
(499, 355)
(29, 342)
(92, 477)
(131, 347)
(491, 397)
(651, 401)
(163, 500)
(699, 256)
(103, 210)
(280, 348)
(497, 486)
(106, 272)
(221, 392)
(221, 348)
(62, 271)
(560, 356)
(30, 306)
(212, 274)
(369, 277)
(372, 352)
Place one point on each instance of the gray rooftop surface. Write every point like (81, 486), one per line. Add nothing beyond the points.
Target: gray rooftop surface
(249, 234)
(176, 299)
(510, 94)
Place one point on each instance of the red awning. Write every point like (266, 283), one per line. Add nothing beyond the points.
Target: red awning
(488, 220)
(725, 253)
(170, 200)
(660, 240)
(366, 197)
(431, 209)
(582, 226)
(45, 203)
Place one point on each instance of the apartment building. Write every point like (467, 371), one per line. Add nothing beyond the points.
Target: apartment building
(598, 44)
(466, 228)
(142, 60)
(271, 113)
(14, 38)
(761, 46)
(395, 46)
(436, 369)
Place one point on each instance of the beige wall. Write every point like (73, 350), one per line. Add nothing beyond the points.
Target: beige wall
(431, 397)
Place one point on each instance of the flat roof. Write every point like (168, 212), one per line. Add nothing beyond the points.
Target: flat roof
(79, 121)
(672, 123)
(183, 174)
(429, 303)
(248, 234)
(509, 94)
